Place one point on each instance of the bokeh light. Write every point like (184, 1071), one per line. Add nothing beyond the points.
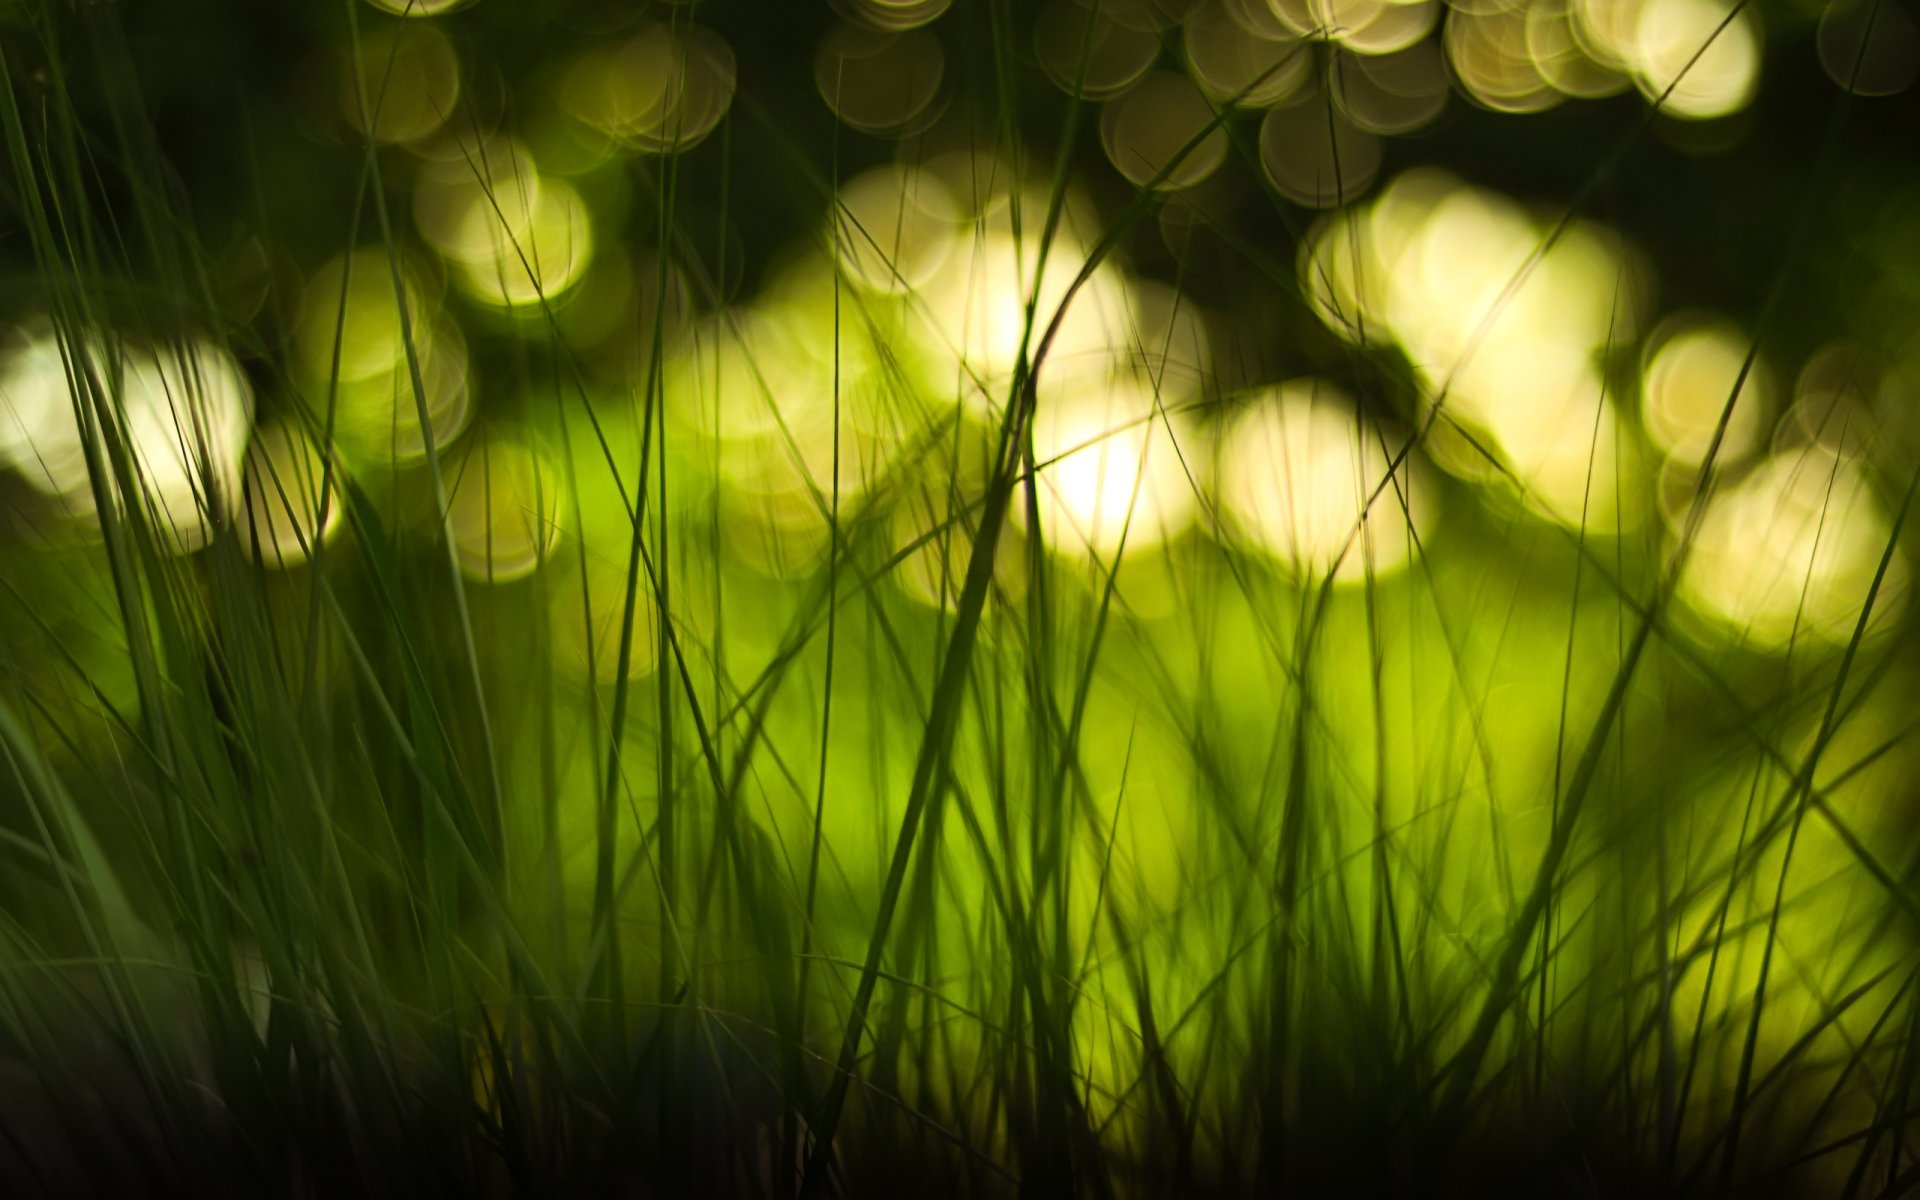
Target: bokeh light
(1505, 332)
(283, 516)
(1115, 471)
(660, 92)
(1693, 365)
(1870, 47)
(1299, 472)
(1788, 555)
(1163, 133)
(181, 411)
(401, 84)
(1235, 65)
(1087, 52)
(1316, 158)
(879, 82)
(1699, 58)
(894, 228)
(504, 504)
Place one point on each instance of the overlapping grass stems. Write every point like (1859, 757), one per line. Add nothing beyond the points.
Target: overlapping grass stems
(338, 881)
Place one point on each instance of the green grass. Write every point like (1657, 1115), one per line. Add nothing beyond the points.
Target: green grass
(709, 857)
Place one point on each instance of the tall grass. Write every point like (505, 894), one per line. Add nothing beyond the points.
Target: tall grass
(969, 862)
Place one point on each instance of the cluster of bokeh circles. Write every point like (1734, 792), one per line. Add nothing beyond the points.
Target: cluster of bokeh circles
(864, 381)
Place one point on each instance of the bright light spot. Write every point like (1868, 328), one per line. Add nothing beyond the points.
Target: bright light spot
(1233, 66)
(1830, 400)
(741, 377)
(36, 412)
(1494, 63)
(1561, 435)
(526, 262)
(1149, 128)
(351, 312)
(1113, 468)
(283, 478)
(977, 305)
(1563, 58)
(503, 509)
(1688, 379)
(894, 227)
(1298, 476)
(1507, 337)
(1704, 50)
(411, 81)
(1789, 553)
(1376, 26)
(183, 414)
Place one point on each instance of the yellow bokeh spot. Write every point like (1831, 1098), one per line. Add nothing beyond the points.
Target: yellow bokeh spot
(1788, 554)
(402, 84)
(515, 263)
(1697, 58)
(1162, 134)
(503, 508)
(1306, 479)
(1688, 380)
(1113, 468)
(283, 481)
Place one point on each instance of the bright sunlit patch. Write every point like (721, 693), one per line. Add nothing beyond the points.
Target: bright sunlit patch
(1705, 51)
(514, 263)
(1115, 470)
(1506, 335)
(894, 227)
(977, 307)
(503, 508)
(1162, 133)
(1689, 377)
(1789, 554)
(1299, 473)
(402, 83)
(185, 411)
(1563, 58)
(1376, 26)
(282, 482)
(35, 405)
(1560, 434)
(879, 82)
(1494, 64)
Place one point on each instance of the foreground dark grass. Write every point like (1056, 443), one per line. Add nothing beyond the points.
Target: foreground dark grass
(656, 873)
